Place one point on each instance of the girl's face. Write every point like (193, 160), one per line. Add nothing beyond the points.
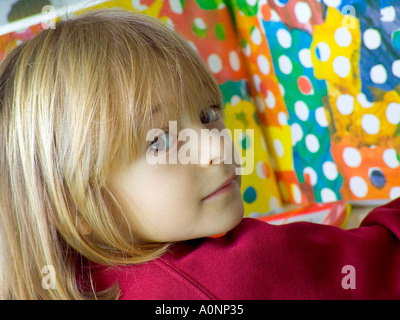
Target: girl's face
(173, 201)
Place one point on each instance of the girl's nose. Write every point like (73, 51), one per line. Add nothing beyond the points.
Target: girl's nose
(214, 147)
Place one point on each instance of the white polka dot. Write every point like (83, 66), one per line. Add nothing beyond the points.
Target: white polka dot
(396, 68)
(362, 99)
(394, 193)
(330, 170)
(324, 51)
(256, 36)
(171, 25)
(333, 3)
(281, 89)
(259, 104)
(345, 104)
(390, 157)
(301, 110)
(313, 175)
(234, 60)
(235, 100)
(251, 3)
(303, 12)
(278, 148)
(247, 50)
(285, 65)
(274, 16)
(141, 7)
(358, 187)
(352, 157)
(343, 37)
(257, 82)
(199, 23)
(372, 39)
(284, 38)
(393, 113)
(305, 58)
(279, 4)
(328, 195)
(176, 6)
(215, 63)
(341, 66)
(263, 64)
(282, 118)
(320, 116)
(270, 100)
(193, 46)
(259, 170)
(312, 143)
(378, 74)
(370, 123)
(296, 133)
(296, 193)
(388, 14)
(273, 203)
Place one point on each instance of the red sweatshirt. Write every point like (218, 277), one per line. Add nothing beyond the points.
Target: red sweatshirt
(256, 260)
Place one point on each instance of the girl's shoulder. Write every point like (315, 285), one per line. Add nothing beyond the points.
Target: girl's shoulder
(186, 271)
(257, 260)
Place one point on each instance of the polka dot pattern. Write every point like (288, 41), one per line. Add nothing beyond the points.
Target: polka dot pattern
(381, 39)
(365, 157)
(298, 14)
(307, 115)
(368, 172)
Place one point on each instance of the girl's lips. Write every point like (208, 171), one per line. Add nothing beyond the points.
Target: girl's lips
(225, 187)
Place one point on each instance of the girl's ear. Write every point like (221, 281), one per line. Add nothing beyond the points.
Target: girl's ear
(83, 226)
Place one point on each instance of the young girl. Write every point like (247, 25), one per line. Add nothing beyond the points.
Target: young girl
(81, 202)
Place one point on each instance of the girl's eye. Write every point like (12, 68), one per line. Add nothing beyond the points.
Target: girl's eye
(160, 143)
(209, 116)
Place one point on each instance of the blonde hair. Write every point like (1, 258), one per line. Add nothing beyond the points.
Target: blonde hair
(75, 102)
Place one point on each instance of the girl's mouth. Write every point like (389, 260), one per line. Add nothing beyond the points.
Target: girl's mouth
(226, 186)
